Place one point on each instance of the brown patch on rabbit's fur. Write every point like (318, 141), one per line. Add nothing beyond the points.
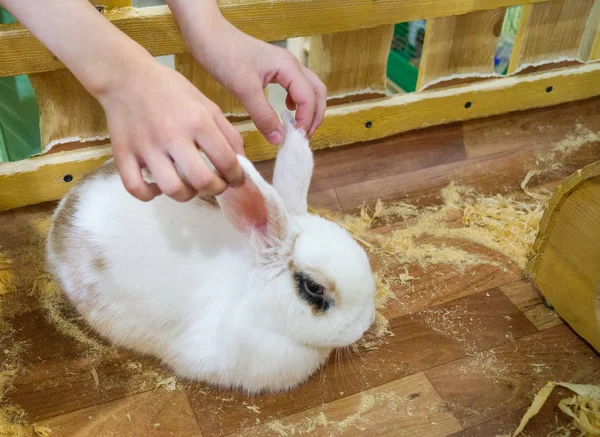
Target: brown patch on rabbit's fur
(99, 263)
(62, 222)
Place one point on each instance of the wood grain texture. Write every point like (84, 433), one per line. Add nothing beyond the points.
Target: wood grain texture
(405, 407)
(156, 30)
(541, 127)
(590, 42)
(566, 264)
(529, 301)
(500, 172)
(550, 32)
(507, 377)
(189, 68)
(68, 113)
(461, 46)
(352, 64)
(342, 166)
(544, 424)
(42, 178)
(153, 414)
(57, 386)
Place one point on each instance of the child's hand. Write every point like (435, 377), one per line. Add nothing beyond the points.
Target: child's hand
(156, 119)
(246, 65)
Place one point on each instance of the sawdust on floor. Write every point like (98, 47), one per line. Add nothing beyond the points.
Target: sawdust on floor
(503, 224)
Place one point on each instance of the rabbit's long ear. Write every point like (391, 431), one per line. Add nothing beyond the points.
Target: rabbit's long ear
(256, 210)
(294, 167)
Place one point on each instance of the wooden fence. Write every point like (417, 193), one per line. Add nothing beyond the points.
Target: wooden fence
(553, 61)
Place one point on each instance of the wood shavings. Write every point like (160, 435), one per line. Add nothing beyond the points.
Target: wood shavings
(12, 421)
(42, 431)
(254, 409)
(7, 275)
(367, 404)
(52, 301)
(405, 277)
(583, 407)
(95, 377)
(169, 384)
(552, 160)
(533, 195)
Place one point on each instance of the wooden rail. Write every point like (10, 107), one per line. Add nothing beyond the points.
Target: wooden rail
(270, 20)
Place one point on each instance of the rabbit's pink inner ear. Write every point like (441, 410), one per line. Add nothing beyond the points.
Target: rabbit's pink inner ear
(245, 207)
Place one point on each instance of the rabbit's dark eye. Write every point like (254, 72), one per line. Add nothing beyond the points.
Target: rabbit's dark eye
(312, 287)
(312, 292)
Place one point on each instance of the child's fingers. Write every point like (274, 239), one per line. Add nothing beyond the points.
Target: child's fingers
(321, 100)
(263, 115)
(196, 172)
(301, 92)
(212, 141)
(131, 175)
(232, 136)
(168, 180)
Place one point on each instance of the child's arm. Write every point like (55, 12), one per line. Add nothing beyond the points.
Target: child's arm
(246, 65)
(155, 116)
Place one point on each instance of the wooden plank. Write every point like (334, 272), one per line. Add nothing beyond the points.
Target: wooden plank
(156, 30)
(548, 422)
(500, 172)
(352, 64)
(550, 33)
(349, 124)
(68, 113)
(460, 47)
(47, 178)
(529, 301)
(338, 167)
(492, 383)
(229, 104)
(448, 283)
(153, 414)
(590, 43)
(408, 406)
(542, 127)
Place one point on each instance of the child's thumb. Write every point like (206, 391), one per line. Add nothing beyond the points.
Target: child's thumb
(264, 117)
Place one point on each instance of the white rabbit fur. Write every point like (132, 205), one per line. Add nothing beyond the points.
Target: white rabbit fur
(215, 292)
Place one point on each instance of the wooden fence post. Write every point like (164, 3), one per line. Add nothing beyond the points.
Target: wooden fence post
(352, 64)
(550, 33)
(459, 49)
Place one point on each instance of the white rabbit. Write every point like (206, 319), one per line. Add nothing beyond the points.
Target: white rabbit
(253, 292)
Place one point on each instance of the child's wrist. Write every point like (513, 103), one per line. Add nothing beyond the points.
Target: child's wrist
(120, 70)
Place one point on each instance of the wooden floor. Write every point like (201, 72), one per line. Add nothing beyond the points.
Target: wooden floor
(467, 351)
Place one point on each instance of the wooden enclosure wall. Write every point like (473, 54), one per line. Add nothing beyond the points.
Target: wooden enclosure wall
(350, 43)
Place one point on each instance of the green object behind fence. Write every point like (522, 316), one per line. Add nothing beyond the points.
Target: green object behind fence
(19, 114)
(402, 68)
